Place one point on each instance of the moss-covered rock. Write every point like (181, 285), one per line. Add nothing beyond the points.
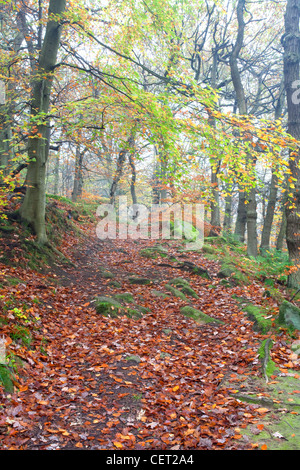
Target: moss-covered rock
(256, 313)
(215, 240)
(289, 315)
(139, 280)
(157, 293)
(209, 249)
(187, 290)
(114, 283)
(124, 297)
(133, 358)
(110, 307)
(179, 281)
(198, 316)
(154, 251)
(267, 365)
(175, 291)
(229, 270)
(6, 378)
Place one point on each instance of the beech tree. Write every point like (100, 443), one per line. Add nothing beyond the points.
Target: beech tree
(33, 207)
(291, 44)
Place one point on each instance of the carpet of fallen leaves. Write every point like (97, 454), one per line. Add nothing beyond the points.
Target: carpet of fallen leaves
(77, 390)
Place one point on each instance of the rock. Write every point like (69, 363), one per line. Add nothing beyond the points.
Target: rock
(179, 281)
(184, 286)
(289, 315)
(209, 249)
(186, 230)
(106, 274)
(125, 297)
(167, 331)
(175, 291)
(187, 290)
(226, 271)
(110, 307)
(114, 284)
(198, 316)
(139, 280)
(157, 293)
(134, 358)
(154, 251)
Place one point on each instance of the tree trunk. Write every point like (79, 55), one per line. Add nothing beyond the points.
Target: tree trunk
(215, 221)
(228, 216)
(33, 207)
(56, 173)
(133, 179)
(120, 165)
(240, 227)
(251, 215)
(78, 176)
(282, 231)
(241, 220)
(268, 221)
(247, 214)
(291, 44)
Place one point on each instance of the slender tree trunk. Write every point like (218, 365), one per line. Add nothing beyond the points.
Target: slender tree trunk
(282, 231)
(241, 220)
(215, 221)
(251, 215)
(268, 220)
(291, 44)
(56, 173)
(78, 175)
(120, 166)
(33, 207)
(133, 179)
(248, 210)
(228, 214)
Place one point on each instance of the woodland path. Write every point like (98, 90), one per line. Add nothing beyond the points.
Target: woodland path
(176, 392)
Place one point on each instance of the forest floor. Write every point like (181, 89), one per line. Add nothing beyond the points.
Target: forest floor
(83, 380)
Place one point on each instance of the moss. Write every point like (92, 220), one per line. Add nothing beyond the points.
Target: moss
(114, 306)
(124, 297)
(175, 292)
(154, 251)
(179, 281)
(107, 274)
(12, 281)
(6, 378)
(139, 280)
(157, 293)
(22, 334)
(209, 249)
(148, 253)
(215, 240)
(198, 316)
(228, 269)
(289, 315)
(268, 366)
(187, 290)
(133, 358)
(257, 314)
(7, 228)
(114, 284)
(108, 306)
